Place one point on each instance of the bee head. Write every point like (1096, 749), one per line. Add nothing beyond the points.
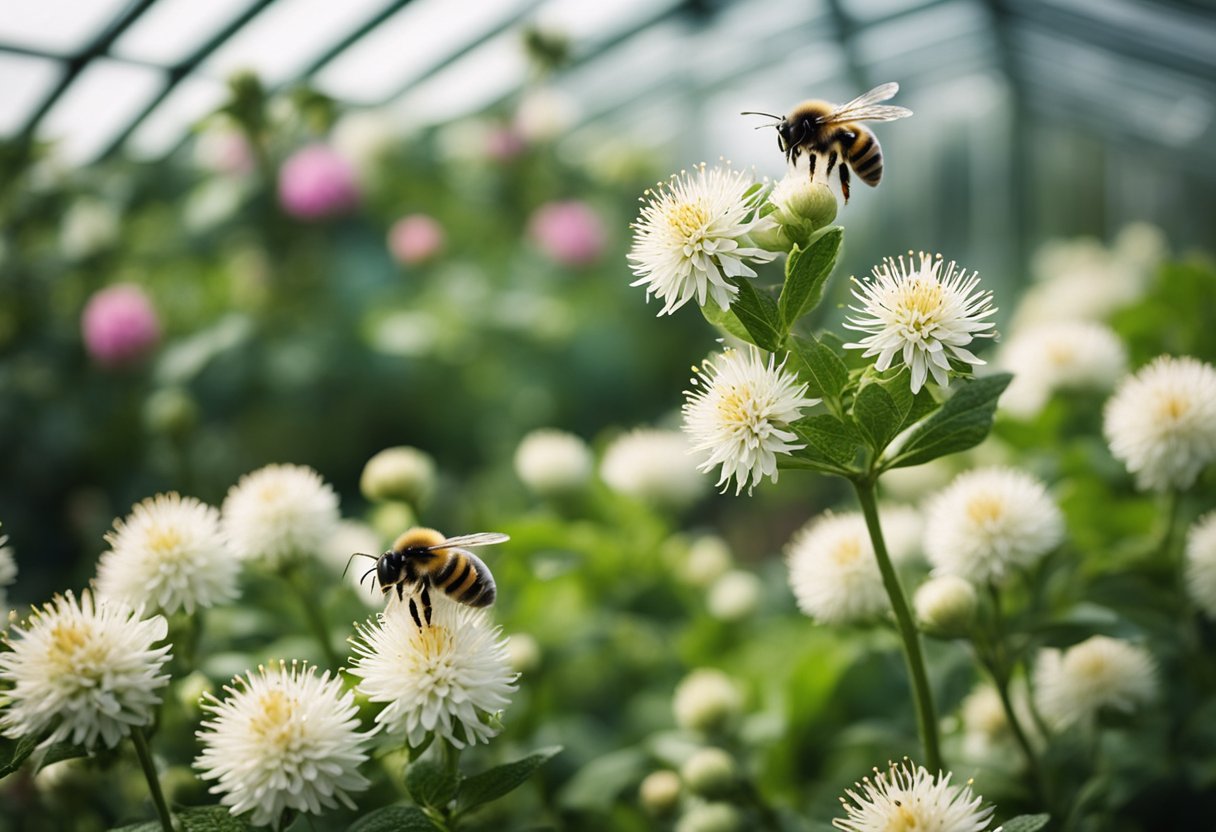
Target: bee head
(388, 568)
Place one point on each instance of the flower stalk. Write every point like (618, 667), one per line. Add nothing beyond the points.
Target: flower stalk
(922, 695)
(145, 761)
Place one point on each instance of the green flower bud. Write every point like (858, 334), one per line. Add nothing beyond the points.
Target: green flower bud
(802, 206)
(191, 689)
(523, 652)
(710, 772)
(391, 519)
(707, 701)
(403, 473)
(659, 793)
(711, 817)
(945, 606)
(171, 411)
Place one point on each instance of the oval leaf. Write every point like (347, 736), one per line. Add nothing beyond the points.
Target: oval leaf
(806, 275)
(395, 819)
(962, 422)
(1026, 823)
(757, 311)
(431, 783)
(495, 782)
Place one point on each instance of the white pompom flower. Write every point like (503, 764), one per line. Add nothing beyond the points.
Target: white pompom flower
(908, 797)
(1161, 422)
(448, 676)
(283, 738)
(87, 671)
(922, 316)
(1073, 685)
(1201, 563)
(169, 554)
(738, 416)
(1064, 355)
(833, 570)
(280, 512)
(990, 521)
(693, 234)
(653, 465)
(550, 461)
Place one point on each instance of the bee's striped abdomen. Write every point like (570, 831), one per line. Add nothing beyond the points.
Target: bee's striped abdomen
(865, 156)
(466, 579)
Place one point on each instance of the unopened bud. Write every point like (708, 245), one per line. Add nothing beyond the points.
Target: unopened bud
(706, 700)
(710, 772)
(945, 606)
(802, 206)
(711, 817)
(402, 473)
(660, 792)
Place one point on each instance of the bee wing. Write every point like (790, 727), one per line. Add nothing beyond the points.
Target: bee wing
(477, 539)
(865, 107)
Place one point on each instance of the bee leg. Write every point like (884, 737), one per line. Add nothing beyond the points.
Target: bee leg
(414, 613)
(426, 605)
(844, 181)
(400, 592)
(811, 158)
(831, 161)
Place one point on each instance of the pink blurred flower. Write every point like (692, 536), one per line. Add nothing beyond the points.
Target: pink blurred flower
(504, 143)
(119, 325)
(315, 182)
(415, 238)
(569, 232)
(225, 150)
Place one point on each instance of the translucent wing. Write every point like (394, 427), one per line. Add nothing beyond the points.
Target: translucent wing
(477, 539)
(866, 107)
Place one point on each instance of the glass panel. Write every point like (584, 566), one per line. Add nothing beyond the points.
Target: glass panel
(97, 107)
(24, 84)
(585, 22)
(406, 45)
(60, 26)
(172, 30)
(280, 42)
(480, 78)
(932, 26)
(191, 101)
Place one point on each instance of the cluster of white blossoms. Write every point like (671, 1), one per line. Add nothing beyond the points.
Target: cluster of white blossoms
(693, 234)
(279, 512)
(447, 676)
(833, 570)
(653, 465)
(169, 554)
(924, 314)
(908, 797)
(1064, 355)
(552, 461)
(87, 671)
(739, 413)
(1072, 686)
(1201, 563)
(990, 521)
(1161, 422)
(283, 738)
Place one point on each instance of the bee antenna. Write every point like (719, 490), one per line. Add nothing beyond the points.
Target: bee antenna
(365, 574)
(776, 119)
(352, 557)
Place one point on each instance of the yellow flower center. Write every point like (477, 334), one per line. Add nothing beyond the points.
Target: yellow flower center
(164, 541)
(274, 722)
(922, 297)
(433, 641)
(732, 407)
(74, 651)
(687, 219)
(1089, 664)
(902, 819)
(1061, 355)
(846, 551)
(985, 509)
(1172, 407)
(270, 492)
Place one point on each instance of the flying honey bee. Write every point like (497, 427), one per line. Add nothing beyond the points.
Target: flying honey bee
(820, 128)
(423, 558)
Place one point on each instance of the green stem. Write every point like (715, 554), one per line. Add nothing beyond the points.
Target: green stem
(312, 614)
(1002, 671)
(145, 761)
(1173, 509)
(922, 696)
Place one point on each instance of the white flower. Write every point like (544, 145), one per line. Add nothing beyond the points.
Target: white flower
(903, 529)
(169, 554)
(365, 138)
(833, 570)
(283, 738)
(734, 596)
(706, 700)
(708, 558)
(441, 677)
(352, 536)
(552, 461)
(1201, 563)
(986, 729)
(989, 521)
(653, 465)
(739, 418)
(905, 797)
(1057, 356)
(922, 316)
(693, 234)
(89, 225)
(279, 512)
(1161, 422)
(85, 669)
(1070, 687)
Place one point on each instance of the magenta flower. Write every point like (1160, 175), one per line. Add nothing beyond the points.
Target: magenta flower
(119, 325)
(315, 182)
(568, 232)
(415, 238)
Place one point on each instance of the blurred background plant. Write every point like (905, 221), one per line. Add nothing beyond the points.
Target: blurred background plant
(299, 279)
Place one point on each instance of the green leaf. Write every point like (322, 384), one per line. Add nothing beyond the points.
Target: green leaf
(495, 782)
(962, 422)
(197, 819)
(829, 442)
(1026, 823)
(14, 753)
(596, 785)
(431, 783)
(394, 819)
(725, 319)
(57, 753)
(757, 311)
(819, 366)
(806, 275)
(877, 414)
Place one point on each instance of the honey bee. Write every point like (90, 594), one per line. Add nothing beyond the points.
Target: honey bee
(819, 128)
(423, 558)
